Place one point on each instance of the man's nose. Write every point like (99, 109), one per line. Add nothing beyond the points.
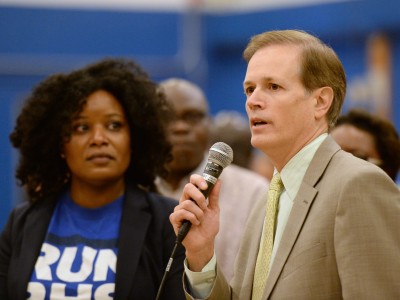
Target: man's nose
(180, 125)
(254, 101)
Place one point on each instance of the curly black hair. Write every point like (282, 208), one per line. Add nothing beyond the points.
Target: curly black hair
(385, 137)
(44, 124)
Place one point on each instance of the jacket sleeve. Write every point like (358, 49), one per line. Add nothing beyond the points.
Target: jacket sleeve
(5, 256)
(367, 238)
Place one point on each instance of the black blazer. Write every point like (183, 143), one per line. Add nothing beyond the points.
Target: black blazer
(146, 240)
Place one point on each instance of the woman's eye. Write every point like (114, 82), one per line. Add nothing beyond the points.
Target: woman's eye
(80, 128)
(115, 125)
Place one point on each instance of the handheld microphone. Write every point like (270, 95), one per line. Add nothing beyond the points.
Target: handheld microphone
(219, 157)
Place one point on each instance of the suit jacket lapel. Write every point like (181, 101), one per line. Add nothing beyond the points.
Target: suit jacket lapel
(243, 278)
(301, 206)
(134, 225)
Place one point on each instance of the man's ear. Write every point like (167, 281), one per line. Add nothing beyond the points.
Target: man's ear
(324, 98)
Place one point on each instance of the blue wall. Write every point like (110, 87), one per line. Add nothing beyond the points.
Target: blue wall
(203, 47)
(344, 26)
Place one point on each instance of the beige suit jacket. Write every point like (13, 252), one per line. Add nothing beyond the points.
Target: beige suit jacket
(342, 239)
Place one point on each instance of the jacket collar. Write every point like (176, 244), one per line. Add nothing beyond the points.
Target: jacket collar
(135, 221)
(301, 206)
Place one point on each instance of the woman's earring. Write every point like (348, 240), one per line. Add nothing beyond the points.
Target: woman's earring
(67, 177)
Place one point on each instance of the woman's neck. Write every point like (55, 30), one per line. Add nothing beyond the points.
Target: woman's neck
(93, 195)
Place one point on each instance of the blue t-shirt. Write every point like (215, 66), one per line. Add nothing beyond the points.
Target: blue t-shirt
(78, 258)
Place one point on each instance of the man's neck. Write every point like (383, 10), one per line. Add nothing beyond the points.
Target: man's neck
(280, 158)
(174, 179)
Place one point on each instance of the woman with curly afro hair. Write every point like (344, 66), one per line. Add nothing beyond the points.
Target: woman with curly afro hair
(91, 143)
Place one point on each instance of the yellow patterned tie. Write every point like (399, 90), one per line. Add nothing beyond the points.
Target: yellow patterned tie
(267, 238)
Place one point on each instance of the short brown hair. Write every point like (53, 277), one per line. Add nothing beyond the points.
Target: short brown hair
(320, 66)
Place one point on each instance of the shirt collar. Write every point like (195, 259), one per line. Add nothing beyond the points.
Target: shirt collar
(293, 172)
(165, 188)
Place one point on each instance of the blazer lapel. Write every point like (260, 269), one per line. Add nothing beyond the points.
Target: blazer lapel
(134, 225)
(244, 272)
(301, 206)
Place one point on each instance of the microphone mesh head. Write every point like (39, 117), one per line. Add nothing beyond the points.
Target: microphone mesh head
(221, 154)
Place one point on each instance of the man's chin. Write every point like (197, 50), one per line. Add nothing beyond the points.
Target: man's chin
(183, 149)
(183, 165)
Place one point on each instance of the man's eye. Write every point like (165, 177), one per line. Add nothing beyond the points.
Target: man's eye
(249, 90)
(193, 117)
(274, 86)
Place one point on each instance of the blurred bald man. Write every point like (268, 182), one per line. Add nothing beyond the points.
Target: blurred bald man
(190, 137)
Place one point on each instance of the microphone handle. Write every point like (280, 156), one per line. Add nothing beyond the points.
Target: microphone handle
(210, 174)
(184, 229)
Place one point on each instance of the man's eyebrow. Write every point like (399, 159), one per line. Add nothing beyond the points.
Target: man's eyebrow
(265, 78)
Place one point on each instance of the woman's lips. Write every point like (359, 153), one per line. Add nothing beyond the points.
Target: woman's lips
(100, 158)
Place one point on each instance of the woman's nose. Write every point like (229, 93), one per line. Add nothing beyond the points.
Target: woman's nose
(99, 136)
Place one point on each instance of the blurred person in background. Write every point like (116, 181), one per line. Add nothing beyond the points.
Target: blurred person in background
(91, 143)
(261, 164)
(371, 138)
(232, 128)
(190, 137)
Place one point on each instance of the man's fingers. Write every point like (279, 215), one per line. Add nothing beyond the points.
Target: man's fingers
(187, 210)
(213, 199)
(192, 192)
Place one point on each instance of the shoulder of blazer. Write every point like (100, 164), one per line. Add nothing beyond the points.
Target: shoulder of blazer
(41, 211)
(26, 229)
(137, 198)
(321, 160)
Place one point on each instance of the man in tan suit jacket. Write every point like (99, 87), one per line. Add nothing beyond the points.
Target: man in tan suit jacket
(337, 233)
(340, 240)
